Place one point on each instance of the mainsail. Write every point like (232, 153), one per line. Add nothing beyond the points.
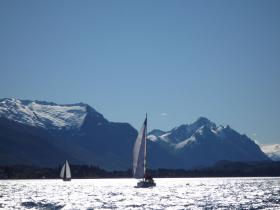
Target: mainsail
(65, 171)
(139, 153)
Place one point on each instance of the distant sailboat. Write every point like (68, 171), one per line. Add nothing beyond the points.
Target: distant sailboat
(139, 158)
(65, 173)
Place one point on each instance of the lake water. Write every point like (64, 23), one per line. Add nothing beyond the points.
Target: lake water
(185, 193)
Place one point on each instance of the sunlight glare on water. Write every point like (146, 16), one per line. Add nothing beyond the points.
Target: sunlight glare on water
(175, 193)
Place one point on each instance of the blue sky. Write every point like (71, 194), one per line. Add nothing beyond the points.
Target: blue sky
(176, 60)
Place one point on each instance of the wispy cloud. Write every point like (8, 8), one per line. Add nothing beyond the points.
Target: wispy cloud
(163, 114)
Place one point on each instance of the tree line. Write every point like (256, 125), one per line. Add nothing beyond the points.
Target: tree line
(220, 169)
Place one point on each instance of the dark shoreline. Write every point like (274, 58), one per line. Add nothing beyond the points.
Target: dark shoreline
(234, 177)
(220, 169)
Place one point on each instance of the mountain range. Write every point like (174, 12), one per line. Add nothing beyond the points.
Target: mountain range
(45, 134)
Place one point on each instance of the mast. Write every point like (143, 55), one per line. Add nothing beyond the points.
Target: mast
(145, 149)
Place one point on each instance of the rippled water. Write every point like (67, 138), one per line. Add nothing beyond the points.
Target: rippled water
(187, 193)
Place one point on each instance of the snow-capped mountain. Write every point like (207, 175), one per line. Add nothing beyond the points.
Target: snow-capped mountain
(271, 150)
(43, 114)
(45, 133)
(182, 133)
(204, 143)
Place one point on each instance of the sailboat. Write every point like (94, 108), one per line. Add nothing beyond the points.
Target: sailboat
(65, 173)
(140, 157)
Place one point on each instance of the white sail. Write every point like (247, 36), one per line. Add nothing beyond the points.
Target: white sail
(62, 172)
(68, 172)
(65, 172)
(139, 153)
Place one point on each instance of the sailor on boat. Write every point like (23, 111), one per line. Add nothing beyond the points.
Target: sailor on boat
(149, 178)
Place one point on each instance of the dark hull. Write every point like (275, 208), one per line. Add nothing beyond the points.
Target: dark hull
(67, 179)
(145, 184)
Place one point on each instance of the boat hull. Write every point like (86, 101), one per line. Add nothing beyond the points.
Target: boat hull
(67, 179)
(145, 184)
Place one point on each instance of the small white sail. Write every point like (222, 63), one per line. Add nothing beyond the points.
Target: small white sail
(62, 172)
(65, 172)
(139, 153)
(68, 172)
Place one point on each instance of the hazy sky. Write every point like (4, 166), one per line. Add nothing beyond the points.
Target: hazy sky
(176, 60)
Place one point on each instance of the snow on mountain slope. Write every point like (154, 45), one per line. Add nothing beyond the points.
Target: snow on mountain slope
(182, 135)
(204, 130)
(202, 143)
(271, 150)
(43, 114)
(182, 144)
(197, 133)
